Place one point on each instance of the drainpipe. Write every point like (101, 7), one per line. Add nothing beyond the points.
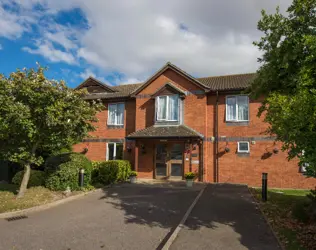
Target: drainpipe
(216, 139)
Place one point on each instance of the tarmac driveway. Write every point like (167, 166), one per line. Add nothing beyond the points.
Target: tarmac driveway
(143, 216)
(122, 217)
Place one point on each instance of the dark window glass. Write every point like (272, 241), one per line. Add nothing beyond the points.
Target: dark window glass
(119, 151)
(176, 169)
(161, 152)
(111, 151)
(176, 152)
(161, 169)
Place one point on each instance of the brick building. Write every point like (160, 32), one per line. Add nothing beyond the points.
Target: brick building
(174, 123)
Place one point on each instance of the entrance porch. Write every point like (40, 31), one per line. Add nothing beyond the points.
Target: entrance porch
(168, 156)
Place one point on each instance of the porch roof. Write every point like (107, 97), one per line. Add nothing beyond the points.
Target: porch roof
(180, 131)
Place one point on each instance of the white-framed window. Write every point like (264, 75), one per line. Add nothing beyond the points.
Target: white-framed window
(116, 114)
(304, 165)
(167, 108)
(114, 151)
(237, 108)
(243, 147)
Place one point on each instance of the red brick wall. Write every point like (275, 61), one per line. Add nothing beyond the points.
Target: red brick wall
(194, 105)
(97, 150)
(235, 169)
(199, 112)
(248, 170)
(103, 131)
(146, 159)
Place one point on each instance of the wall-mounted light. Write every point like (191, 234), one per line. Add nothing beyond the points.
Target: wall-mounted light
(227, 149)
(143, 150)
(275, 150)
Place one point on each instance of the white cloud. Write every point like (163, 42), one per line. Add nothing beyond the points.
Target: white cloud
(48, 51)
(135, 38)
(10, 24)
(130, 81)
(61, 39)
(89, 72)
(85, 74)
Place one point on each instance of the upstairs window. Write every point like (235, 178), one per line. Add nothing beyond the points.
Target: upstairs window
(116, 114)
(237, 108)
(168, 108)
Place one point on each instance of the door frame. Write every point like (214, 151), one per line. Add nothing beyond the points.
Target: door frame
(169, 161)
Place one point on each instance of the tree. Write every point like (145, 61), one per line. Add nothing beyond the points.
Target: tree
(39, 113)
(287, 79)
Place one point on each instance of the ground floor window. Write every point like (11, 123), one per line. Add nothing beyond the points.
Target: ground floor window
(243, 147)
(114, 151)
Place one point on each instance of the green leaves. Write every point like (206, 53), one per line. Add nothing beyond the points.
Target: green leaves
(39, 113)
(287, 78)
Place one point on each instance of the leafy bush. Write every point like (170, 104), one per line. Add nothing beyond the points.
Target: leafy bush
(37, 178)
(95, 171)
(114, 171)
(133, 174)
(63, 171)
(312, 206)
(189, 175)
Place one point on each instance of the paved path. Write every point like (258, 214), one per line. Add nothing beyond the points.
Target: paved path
(225, 217)
(127, 217)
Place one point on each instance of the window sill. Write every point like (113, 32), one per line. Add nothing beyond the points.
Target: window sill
(167, 123)
(115, 126)
(237, 123)
(243, 154)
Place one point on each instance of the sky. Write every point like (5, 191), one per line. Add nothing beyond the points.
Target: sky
(124, 41)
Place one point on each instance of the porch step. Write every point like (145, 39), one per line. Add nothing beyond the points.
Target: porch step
(168, 183)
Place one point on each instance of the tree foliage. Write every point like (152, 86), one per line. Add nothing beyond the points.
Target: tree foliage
(287, 79)
(38, 113)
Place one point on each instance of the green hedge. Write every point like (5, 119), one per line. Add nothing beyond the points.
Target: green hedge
(112, 171)
(37, 178)
(63, 171)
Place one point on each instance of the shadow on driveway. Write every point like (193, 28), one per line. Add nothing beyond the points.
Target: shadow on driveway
(225, 217)
(143, 216)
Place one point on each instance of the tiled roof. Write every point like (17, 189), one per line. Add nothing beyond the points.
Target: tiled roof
(127, 88)
(220, 83)
(228, 82)
(165, 132)
(122, 91)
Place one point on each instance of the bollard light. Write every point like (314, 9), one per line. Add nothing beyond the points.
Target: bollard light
(81, 177)
(264, 187)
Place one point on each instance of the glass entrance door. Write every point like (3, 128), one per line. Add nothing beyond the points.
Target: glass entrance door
(161, 160)
(169, 161)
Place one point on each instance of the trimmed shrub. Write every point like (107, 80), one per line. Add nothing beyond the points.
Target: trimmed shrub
(114, 171)
(95, 171)
(37, 178)
(133, 174)
(189, 176)
(63, 171)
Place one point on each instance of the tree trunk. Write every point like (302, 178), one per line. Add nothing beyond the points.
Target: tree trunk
(25, 180)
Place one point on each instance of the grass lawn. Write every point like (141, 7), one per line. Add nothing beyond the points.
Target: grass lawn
(33, 197)
(286, 212)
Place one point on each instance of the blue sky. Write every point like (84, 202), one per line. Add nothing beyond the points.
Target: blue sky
(126, 41)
